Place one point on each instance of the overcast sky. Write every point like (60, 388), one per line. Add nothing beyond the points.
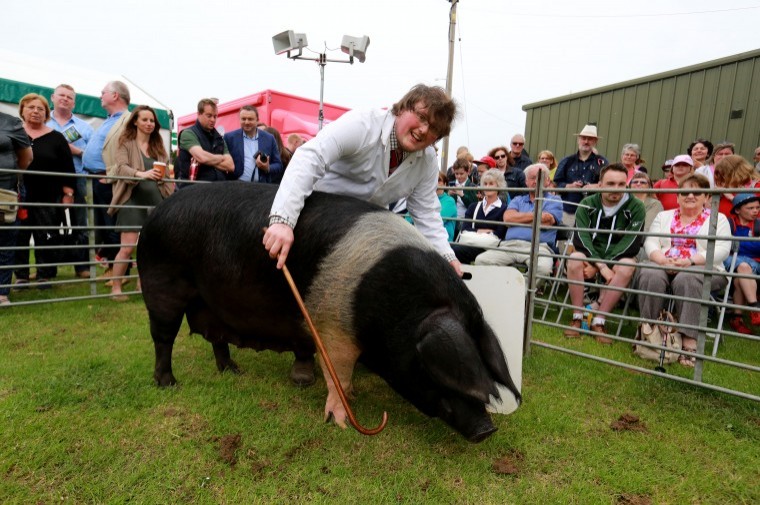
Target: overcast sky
(507, 53)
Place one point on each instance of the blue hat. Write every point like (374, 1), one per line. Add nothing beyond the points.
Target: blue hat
(743, 198)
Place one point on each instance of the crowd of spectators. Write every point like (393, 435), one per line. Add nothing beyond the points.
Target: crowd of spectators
(608, 245)
(611, 245)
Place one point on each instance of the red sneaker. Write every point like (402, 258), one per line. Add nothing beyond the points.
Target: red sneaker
(754, 318)
(737, 324)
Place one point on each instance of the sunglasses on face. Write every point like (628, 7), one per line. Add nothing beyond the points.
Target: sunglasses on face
(500, 156)
(518, 143)
(692, 193)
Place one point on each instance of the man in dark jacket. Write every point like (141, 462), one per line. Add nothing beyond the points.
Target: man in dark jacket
(596, 243)
(579, 170)
(519, 154)
(254, 150)
(204, 144)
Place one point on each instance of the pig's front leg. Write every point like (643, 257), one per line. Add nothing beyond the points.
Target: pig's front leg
(343, 359)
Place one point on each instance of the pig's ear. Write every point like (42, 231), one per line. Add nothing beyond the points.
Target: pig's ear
(449, 355)
(492, 354)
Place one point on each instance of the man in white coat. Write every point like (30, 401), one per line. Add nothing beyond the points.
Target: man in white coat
(379, 156)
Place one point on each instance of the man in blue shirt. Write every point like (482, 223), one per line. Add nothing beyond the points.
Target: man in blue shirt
(516, 246)
(99, 158)
(78, 133)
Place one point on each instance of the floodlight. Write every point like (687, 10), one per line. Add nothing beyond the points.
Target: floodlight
(289, 41)
(355, 47)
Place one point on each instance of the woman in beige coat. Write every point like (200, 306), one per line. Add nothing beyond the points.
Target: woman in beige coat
(140, 146)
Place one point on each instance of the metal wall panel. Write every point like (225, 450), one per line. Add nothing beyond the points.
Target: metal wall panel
(662, 113)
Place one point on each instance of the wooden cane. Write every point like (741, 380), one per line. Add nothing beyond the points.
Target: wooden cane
(323, 352)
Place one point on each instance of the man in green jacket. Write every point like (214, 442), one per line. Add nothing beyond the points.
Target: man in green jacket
(597, 244)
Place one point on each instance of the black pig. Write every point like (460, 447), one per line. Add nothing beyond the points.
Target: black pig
(373, 286)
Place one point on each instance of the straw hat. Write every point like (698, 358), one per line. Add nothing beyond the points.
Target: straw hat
(588, 131)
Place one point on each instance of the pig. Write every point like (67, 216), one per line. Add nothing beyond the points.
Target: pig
(374, 288)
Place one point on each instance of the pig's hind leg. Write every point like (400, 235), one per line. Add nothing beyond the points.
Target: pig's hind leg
(224, 362)
(164, 331)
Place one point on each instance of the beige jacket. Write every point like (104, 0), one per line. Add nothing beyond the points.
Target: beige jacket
(111, 143)
(129, 161)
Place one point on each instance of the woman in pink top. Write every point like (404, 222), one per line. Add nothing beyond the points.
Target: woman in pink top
(630, 157)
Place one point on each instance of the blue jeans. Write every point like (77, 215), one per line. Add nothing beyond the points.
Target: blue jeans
(107, 239)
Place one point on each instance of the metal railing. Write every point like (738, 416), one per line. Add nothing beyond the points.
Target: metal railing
(547, 309)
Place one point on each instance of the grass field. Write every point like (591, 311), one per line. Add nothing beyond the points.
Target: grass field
(82, 422)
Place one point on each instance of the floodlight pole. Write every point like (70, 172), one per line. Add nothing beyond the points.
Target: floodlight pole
(449, 75)
(321, 60)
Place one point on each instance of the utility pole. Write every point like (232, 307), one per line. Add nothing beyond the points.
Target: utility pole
(449, 74)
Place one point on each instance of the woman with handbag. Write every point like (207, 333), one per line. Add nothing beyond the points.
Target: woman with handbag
(474, 237)
(140, 146)
(683, 257)
(15, 153)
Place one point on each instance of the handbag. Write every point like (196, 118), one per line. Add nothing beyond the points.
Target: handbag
(663, 334)
(475, 239)
(8, 205)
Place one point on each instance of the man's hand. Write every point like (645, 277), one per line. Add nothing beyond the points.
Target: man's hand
(262, 165)
(457, 266)
(278, 239)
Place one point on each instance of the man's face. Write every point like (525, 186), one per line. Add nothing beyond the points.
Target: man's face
(586, 144)
(207, 118)
(518, 143)
(749, 211)
(613, 179)
(248, 121)
(108, 98)
(531, 179)
(413, 129)
(63, 99)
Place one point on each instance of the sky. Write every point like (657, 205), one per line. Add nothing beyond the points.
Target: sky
(507, 54)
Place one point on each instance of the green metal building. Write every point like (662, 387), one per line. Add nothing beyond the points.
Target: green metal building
(663, 113)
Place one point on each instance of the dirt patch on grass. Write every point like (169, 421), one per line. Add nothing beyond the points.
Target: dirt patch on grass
(228, 446)
(628, 422)
(509, 464)
(634, 499)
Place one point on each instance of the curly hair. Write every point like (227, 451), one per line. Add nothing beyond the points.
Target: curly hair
(510, 159)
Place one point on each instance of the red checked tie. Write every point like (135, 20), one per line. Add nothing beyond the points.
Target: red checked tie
(396, 156)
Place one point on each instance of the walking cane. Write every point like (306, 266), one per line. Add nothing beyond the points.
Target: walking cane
(328, 363)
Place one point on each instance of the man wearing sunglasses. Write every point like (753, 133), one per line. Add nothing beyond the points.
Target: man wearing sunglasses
(519, 154)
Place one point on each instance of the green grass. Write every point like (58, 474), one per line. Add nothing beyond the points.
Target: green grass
(82, 422)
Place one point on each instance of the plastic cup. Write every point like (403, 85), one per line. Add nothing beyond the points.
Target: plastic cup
(161, 167)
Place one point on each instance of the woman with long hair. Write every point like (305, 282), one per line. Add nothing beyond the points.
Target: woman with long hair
(548, 159)
(140, 146)
(733, 171)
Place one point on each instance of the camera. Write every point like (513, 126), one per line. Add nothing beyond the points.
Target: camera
(263, 158)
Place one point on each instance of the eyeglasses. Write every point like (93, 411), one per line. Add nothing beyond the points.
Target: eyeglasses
(694, 194)
(425, 121)
(518, 143)
(500, 156)
(640, 182)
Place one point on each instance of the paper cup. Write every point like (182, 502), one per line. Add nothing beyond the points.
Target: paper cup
(161, 167)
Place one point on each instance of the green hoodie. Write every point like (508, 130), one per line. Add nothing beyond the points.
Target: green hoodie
(609, 246)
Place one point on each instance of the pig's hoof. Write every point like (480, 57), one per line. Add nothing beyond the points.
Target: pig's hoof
(302, 372)
(232, 367)
(165, 379)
